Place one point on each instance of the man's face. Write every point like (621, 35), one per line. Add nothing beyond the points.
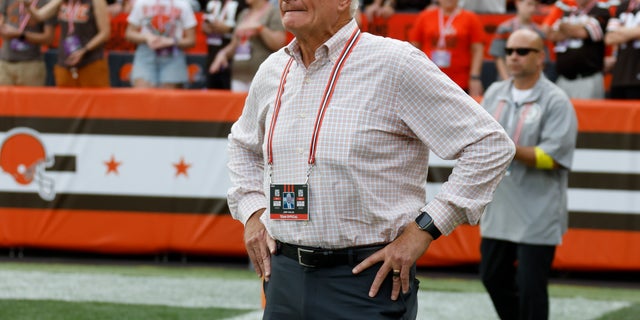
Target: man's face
(523, 65)
(289, 198)
(526, 7)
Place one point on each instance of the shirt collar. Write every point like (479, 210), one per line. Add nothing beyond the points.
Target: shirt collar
(535, 93)
(332, 48)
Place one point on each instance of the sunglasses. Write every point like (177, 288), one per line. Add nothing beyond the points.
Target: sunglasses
(520, 51)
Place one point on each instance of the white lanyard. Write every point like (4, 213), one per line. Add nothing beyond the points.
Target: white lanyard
(586, 9)
(328, 94)
(445, 26)
(220, 13)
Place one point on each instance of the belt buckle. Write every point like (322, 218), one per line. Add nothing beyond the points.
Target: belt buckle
(300, 252)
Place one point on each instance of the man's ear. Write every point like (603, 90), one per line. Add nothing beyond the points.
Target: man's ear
(344, 4)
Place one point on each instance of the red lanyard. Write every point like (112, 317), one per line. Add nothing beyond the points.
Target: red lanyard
(328, 94)
(71, 12)
(523, 116)
(24, 18)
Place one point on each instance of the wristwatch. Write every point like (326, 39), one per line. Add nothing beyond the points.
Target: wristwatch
(425, 223)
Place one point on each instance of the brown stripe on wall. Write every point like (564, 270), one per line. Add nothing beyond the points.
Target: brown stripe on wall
(116, 203)
(577, 180)
(119, 127)
(613, 181)
(604, 221)
(612, 141)
(63, 163)
(586, 140)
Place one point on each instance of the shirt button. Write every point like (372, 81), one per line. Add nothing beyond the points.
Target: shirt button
(300, 151)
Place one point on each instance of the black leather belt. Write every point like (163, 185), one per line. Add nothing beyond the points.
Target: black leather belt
(579, 75)
(324, 258)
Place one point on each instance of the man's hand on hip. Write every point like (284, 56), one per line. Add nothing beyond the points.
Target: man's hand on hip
(398, 257)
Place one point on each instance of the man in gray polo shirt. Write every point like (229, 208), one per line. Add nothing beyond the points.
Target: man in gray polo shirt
(528, 216)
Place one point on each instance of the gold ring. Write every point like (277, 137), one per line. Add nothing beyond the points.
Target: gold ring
(396, 273)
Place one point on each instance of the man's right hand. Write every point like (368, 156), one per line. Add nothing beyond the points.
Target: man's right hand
(260, 246)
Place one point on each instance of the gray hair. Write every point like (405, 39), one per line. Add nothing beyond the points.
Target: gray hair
(354, 8)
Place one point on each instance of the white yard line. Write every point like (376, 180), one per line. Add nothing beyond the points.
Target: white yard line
(244, 294)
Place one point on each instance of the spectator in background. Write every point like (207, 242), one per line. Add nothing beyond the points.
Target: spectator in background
(218, 23)
(161, 30)
(525, 9)
(84, 29)
(623, 32)
(579, 45)
(21, 59)
(379, 9)
(485, 6)
(454, 40)
(258, 34)
(528, 216)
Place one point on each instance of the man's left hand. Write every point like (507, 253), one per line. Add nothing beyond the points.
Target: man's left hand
(399, 255)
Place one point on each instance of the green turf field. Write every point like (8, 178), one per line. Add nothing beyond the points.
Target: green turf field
(81, 291)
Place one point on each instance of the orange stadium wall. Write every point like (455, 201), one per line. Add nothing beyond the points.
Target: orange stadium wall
(144, 171)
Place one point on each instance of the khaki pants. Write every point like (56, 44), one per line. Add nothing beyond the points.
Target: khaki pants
(591, 87)
(23, 73)
(93, 75)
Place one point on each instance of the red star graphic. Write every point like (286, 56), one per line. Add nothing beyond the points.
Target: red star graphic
(112, 165)
(182, 167)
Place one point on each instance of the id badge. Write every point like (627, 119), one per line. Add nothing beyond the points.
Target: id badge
(18, 45)
(71, 44)
(243, 51)
(442, 58)
(289, 202)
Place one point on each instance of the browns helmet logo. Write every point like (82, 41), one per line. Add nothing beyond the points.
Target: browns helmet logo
(24, 157)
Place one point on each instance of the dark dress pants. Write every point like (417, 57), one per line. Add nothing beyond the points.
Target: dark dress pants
(516, 276)
(295, 292)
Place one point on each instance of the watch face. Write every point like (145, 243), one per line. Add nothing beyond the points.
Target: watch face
(424, 220)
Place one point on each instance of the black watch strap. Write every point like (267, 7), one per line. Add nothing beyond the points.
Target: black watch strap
(425, 223)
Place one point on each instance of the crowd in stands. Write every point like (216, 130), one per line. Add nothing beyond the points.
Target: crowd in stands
(590, 38)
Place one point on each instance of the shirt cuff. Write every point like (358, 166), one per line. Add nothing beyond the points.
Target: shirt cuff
(249, 205)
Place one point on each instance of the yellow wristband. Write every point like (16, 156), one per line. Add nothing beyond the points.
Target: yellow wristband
(543, 160)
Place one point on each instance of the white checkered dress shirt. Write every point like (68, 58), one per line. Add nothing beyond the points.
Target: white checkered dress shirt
(391, 106)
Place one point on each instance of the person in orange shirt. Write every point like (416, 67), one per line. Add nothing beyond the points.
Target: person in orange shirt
(453, 39)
